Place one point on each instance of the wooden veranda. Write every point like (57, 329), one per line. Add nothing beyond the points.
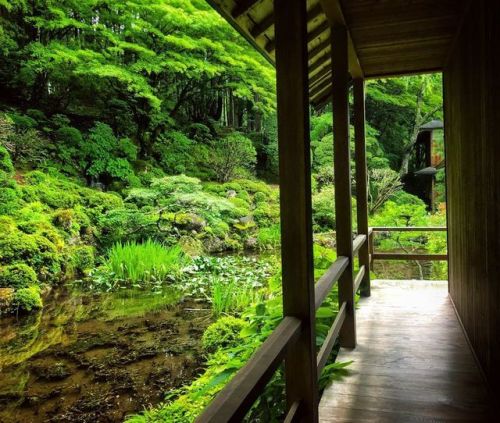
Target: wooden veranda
(322, 49)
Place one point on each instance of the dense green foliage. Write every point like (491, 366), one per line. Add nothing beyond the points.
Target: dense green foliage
(138, 138)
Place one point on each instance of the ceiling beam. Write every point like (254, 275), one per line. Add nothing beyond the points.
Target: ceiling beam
(268, 21)
(320, 62)
(335, 16)
(319, 48)
(262, 26)
(242, 7)
(315, 33)
(325, 71)
(320, 87)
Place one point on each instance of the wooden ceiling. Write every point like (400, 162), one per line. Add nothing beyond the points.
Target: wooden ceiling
(387, 37)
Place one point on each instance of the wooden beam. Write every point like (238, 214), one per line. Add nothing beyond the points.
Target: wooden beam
(404, 256)
(268, 21)
(330, 339)
(262, 26)
(242, 7)
(315, 33)
(325, 71)
(342, 176)
(359, 278)
(295, 202)
(409, 229)
(328, 280)
(335, 16)
(325, 45)
(358, 242)
(320, 87)
(323, 60)
(361, 178)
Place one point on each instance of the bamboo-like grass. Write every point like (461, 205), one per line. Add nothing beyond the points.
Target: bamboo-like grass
(148, 262)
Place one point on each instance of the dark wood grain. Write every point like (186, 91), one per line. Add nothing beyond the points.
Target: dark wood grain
(361, 180)
(295, 202)
(342, 175)
(472, 116)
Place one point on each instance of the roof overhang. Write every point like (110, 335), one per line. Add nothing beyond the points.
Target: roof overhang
(386, 37)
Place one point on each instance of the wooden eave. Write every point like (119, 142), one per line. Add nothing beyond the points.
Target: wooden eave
(386, 37)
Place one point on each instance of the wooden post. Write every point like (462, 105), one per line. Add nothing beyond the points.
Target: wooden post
(295, 202)
(361, 180)
(342, 170)
(370, 249)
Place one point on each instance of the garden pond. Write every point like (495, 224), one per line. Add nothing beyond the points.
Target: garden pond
(96, 357)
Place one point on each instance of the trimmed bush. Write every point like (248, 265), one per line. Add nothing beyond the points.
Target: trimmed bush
(224, 333)
(17, 275)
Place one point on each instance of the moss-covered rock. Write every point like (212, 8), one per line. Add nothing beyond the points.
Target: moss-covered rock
(189, 221)
(28, 299)
(17, 275)
(6, 300)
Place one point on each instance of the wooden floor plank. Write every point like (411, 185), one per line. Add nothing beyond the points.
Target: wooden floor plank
(412, 362)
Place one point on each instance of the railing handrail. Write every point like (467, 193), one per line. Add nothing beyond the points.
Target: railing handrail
(233, 402)
(408, 228)
(237, 397)
(404, 256)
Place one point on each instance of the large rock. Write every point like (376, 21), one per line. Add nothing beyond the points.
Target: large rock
(190, 222)
(6, 300)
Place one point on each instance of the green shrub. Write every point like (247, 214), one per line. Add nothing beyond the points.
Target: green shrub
(28, 299)
(269, 238)
(174, 152)
(125, 224)
(82, 259)
(9, 200)
(220, 229)
(106, 155)
(266, 214)
(7, 226)
(323, 205)
(253, 186)
(178, 184)
(260, 197)
(142, 197)
(34, 250)
(17, 275)
(323, 257)
(229, 155)
(224, 333)
(6, 165)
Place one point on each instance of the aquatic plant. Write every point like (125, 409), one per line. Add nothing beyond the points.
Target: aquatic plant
(230, 296)
(269, 238)
(149, 262)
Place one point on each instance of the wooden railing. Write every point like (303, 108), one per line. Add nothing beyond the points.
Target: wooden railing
(238, 396)
(403, 256)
